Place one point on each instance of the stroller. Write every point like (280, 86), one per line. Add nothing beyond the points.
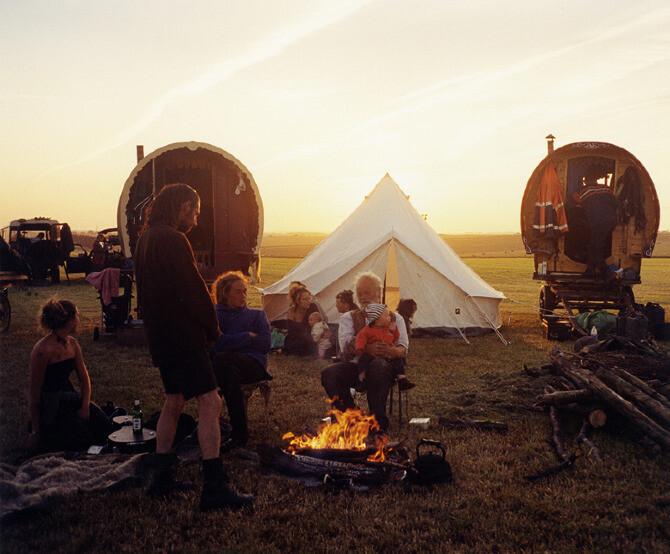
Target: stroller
(115, 310)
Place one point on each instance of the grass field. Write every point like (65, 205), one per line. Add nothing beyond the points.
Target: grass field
(622, 504)
(508, 245)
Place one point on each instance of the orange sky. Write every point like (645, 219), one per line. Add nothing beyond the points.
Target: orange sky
(320, 99)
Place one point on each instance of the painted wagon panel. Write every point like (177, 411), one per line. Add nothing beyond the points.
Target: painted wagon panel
(230, 226)
(638, 209)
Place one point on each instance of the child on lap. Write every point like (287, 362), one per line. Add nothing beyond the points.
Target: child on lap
(380, 326)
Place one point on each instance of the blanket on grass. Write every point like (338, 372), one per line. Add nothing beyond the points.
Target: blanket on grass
(48, 477)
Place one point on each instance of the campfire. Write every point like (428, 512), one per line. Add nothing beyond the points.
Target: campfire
(350, 432)
(347, 448)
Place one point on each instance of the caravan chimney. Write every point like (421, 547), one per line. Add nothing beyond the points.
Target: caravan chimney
(550, 143)
(140, 152)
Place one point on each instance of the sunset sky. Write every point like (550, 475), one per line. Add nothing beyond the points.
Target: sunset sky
(320, 99)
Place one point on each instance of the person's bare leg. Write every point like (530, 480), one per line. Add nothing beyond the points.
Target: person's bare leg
(167, 422)
(209, 431)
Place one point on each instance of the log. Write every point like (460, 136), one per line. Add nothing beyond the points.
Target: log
(588, 380)
(559, 398)
(597, 418)
(474, 424)
(646, 403)
(337, 454)
(556, 438)
(584, 439)
(640, 384)
(295, 465)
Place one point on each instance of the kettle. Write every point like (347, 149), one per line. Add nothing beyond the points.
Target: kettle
(430, 468)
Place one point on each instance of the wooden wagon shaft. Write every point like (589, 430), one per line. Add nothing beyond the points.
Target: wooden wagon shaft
(275, 458)
(559, 398)
(588, 380)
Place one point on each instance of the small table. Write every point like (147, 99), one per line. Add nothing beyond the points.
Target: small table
(129, 442)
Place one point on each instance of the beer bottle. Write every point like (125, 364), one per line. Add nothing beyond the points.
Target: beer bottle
(137, 417)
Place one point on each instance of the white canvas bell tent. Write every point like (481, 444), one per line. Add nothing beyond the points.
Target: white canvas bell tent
(387, 236)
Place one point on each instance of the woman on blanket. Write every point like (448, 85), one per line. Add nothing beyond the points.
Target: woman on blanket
(60, 417)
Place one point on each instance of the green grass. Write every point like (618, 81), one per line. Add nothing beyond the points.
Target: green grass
(620, 505)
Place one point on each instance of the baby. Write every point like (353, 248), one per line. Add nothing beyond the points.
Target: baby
(320, 334)
(380, 326)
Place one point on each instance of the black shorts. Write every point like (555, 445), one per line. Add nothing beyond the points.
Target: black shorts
(189, 374)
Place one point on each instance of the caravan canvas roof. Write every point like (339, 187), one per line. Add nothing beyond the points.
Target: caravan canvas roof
(387, 236)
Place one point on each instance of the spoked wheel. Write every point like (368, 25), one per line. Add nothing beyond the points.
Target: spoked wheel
(548, 302)
(5, 312)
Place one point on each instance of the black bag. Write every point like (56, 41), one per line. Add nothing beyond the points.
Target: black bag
(634, 327)
(656, 316)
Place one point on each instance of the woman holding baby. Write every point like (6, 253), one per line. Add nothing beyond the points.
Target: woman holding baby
(299, 341)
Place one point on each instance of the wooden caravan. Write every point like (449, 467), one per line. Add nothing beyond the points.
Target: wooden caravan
(555, 230)
(230, 225)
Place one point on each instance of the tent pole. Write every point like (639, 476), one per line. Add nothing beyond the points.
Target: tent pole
(497, 332)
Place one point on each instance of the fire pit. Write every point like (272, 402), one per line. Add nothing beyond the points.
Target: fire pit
(349, 447)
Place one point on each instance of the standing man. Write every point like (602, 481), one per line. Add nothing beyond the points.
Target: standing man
(337, 379)
(181, 326)
(600, 207)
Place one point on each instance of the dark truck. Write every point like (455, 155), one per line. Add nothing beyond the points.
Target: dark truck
(46, 245)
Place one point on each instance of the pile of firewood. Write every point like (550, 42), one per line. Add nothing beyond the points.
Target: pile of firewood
(632, 381)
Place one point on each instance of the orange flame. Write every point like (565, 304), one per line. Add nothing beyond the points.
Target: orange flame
(347, 431)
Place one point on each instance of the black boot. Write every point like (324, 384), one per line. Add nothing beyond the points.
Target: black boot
(216, 492)
(163, 481)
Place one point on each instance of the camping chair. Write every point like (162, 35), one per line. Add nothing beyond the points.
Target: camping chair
(263, 388)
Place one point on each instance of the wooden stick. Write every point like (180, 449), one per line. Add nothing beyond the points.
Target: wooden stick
(475, 424)
(588, 380)
(584, 439)
(554, 469)
(556, 439)
(559, 398)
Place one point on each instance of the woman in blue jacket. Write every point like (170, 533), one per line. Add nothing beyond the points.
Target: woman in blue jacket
(239, 356)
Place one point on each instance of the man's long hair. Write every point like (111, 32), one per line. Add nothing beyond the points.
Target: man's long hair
(165, 207)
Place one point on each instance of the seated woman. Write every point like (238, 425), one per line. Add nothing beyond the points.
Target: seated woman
(239, 356)
(299, 336)
(60, 417)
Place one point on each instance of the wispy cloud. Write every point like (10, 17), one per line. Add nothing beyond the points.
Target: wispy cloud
(325, 15)
(470, 86)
